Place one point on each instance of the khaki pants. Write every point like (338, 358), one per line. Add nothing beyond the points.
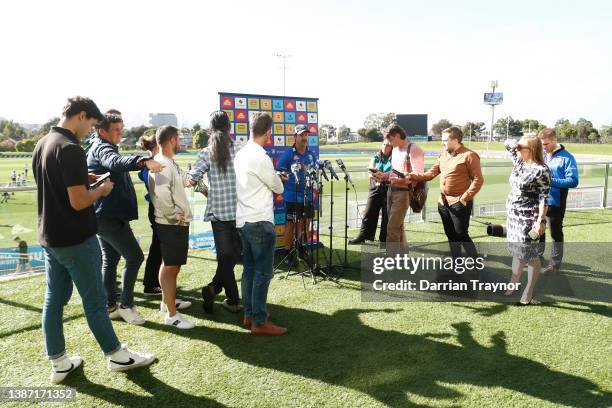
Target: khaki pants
(398, 202)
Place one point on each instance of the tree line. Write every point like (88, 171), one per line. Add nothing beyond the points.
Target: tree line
(14, 137)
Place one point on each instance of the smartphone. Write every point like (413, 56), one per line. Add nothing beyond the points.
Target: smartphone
(398, 173)
(100, 181)
(373, 171)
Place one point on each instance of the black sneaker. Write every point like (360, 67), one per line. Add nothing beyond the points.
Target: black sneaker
(209, 299)
(357, 241)
(155, 291)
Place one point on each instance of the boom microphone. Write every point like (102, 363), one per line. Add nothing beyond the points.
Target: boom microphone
(331, 170)
(321, 166)
(347, 176)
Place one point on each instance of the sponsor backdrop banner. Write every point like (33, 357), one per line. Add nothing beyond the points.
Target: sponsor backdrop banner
(286, 112)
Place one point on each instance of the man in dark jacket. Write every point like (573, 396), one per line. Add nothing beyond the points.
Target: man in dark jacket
(114, 213)
(564, 173)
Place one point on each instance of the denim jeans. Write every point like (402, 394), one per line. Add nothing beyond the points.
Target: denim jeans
(258, 240)
(117, 240)
(79, 264)
(227, 246)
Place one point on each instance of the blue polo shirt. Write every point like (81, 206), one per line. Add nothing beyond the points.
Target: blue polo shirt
(288, 158)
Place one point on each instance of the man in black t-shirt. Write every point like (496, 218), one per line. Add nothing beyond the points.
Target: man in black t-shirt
(66, 231)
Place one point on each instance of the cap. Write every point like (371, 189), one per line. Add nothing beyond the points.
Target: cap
(299, 129)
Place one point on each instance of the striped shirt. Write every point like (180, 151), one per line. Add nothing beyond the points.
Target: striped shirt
(221, 205)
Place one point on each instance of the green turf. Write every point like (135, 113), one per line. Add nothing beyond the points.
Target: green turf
(340, 351)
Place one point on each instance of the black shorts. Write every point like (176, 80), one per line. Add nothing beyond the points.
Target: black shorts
(174, 243)
(292, 208)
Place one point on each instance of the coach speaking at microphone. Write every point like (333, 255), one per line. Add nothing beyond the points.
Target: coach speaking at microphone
(293, 163)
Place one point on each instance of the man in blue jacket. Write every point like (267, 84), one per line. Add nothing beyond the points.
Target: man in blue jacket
(564, 172)
(114, 213)
(296, 160)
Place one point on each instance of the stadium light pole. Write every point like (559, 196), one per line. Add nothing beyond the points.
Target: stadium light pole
(493, 85)
(284, 58)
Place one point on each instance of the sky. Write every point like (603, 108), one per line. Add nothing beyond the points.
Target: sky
(552, 59)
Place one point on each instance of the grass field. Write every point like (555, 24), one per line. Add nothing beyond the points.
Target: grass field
(341, 351)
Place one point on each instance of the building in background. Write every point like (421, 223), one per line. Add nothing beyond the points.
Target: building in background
(161, 119)
(186, 139)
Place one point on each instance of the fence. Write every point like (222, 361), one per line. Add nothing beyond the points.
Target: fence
(592, 193)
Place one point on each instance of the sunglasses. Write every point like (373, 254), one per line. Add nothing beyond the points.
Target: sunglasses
(521, 147)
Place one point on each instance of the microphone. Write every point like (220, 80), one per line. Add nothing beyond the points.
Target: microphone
(347, 176)
(321, 166)
(295, 168)
(331, 170)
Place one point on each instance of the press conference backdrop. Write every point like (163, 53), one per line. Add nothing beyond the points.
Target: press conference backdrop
(287, 112)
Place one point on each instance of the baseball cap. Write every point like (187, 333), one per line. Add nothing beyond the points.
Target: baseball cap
(299, 129)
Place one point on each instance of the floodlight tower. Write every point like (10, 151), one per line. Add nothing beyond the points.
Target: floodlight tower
(493, 86)
(284, 58)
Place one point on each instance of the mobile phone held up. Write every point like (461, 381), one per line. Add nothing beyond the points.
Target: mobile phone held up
(100, 181)
(398, 173)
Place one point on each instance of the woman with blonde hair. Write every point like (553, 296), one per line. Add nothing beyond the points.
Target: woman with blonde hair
(526, 207)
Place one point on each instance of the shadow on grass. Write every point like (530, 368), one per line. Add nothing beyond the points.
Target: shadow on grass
(162, 395)
(390, 366)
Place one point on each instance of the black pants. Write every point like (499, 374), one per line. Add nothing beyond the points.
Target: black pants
(456, 222)
(377, 201)
(154, 259)
(228, 247)
(554, 217)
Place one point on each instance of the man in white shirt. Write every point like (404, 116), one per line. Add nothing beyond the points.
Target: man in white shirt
(255, 182)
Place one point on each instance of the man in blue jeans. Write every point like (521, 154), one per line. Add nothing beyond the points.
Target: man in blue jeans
(255, 182)
(114, 213)
(66, 231)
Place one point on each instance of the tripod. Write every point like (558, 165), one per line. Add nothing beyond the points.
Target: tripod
(297, 244)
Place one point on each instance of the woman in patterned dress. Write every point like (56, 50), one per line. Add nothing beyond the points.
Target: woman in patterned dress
(526, 208)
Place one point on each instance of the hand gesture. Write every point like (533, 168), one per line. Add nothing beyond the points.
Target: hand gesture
(153, 166)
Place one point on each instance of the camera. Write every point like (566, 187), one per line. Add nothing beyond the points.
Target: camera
(496, 230)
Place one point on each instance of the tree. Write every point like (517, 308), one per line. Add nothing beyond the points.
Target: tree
(378, 121)
(473, 129)
(200, 139)
(508, 126)
(195, 128)
(532, 126)
(373, 135)
(564, 130)
(26, 145)
(605, 133)
(584, 130)
(7, 146)
(362, 133)
(439, 126)
(45, 128)
(132, 135)
(12, 130)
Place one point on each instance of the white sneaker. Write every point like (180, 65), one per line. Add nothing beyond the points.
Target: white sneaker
(126, 359)
(180, 305)
(178, 321)
(115, 313)
(130, 315)
(62, 366)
